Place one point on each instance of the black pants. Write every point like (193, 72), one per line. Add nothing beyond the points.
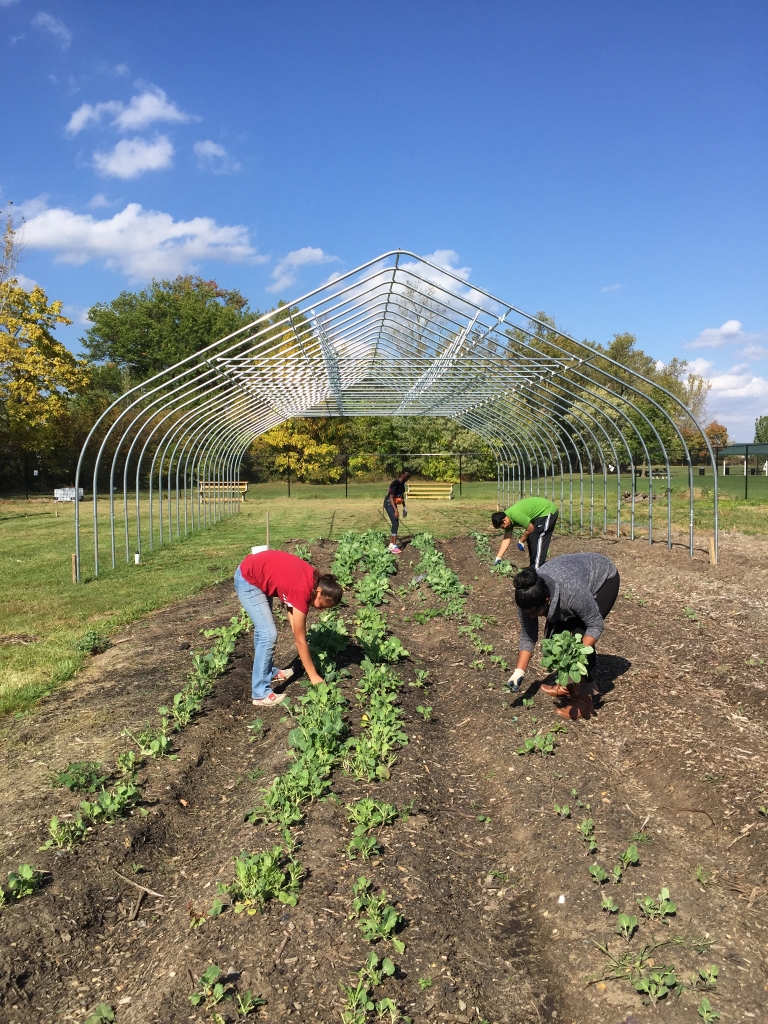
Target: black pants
(605, 599)
(389, 509)
(538, 541)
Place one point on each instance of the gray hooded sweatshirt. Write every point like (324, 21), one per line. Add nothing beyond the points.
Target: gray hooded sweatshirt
(573, 581)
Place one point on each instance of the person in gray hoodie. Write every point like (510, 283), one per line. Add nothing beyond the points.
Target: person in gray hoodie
(573, 592)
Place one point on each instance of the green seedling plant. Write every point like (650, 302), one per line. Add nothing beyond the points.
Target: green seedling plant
(127, 762)
(641, 837)
(630, 857)
(260, 877)
(64, 834)
(477, 664)
(363, 847)
(599, 874)
(303, 552)
(608, 904)
(23, 882)
(80, 777)
(101, 1014)
(659, 908)
(367, 815)
(358, 999)
(376, 917)
(690, 614)
(151, 742)
(587, 832)
(541, 742)
(707, 977)
(755, 662)
(256, 729)
(626, 924)
(248, 1003)
(657, 984)
(425, 983)
(499, 662)
(763, 810)
(528, 702)
(209, 990)
(566, 656)
(111, 804)
(707, 1012)
(616, 874)
(425, 712)
(702, 875)
(562, 810)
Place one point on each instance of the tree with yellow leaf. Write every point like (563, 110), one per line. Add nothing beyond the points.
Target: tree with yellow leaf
(37, 373)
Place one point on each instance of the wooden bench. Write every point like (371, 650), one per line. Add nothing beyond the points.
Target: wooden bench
(210, 490)
(429, 490)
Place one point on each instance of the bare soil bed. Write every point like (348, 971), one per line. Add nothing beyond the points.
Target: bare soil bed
(500, 910)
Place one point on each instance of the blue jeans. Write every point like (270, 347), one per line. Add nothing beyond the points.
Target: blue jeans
(259, 609)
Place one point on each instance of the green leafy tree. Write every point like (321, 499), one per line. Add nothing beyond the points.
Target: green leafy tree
(761, 430)
(145, 332)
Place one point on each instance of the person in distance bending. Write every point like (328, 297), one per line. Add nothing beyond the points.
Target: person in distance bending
(394, 500)
(573, 592)
(537, 518)
(261, 578)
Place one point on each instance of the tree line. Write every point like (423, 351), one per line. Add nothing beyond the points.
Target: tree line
(50, 398)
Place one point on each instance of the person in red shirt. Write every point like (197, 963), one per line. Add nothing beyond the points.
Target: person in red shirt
(277, 574)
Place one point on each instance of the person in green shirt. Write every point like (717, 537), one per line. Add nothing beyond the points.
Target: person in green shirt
(536, 517)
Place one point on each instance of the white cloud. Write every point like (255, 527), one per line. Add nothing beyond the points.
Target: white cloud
(755, 351)
(701, 366)
(610, 288)
(99, 201)
(287, 269)
(27, 283)
(132, 157)
(737, 397)
(213, 157)
(141, 243)
(47, 23)
(120, 69)
(7, 3)
(145, 108)
(717, 337)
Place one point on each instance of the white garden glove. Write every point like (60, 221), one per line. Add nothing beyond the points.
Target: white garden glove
(520, 546)
(515, 679)
(496, 562)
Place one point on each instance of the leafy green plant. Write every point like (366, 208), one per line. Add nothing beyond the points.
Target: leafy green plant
(587, 832)
(562, 810)
(64, 834)
(358, 999)
(541, 742)
(127, 762)
(153, 742)
(763, 810)
(256, 729)
(425, 983)
(303, 552)
(112, 804)
(499, 662)
(616, 874)
(659, 908)
(608, 904)
(248, 1003)
(626, 925)
(425, 712)
(656, 984)
(101, 1014)
(368, 814)
(23, 882)
(209, 990)
(707, 976)
(377, 918)
(707, 1012)
(91, 642)
(362, 847)
(702, 875)
(690, 614)
(566, 656)
(80, 777)
(630, 857)
(755, 662)
(260, 877)
(477, 664)
(598, 874)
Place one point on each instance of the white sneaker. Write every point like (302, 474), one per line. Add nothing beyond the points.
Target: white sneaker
(395, 550)
(283, 675)
(270, 701)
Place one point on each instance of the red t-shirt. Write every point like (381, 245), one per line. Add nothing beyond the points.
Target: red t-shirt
(282, 575)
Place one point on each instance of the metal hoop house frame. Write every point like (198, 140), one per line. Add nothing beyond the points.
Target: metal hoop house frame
(398, 336)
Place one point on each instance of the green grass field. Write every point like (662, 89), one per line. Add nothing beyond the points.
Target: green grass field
(39, 598)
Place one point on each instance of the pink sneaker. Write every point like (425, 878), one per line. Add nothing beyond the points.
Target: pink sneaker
(283, 675)
(395, 550)
(270, 701)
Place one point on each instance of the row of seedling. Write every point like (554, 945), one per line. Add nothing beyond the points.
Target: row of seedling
(484, 554)
(652, 980)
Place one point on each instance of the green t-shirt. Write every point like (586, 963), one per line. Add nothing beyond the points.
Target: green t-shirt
(522, 512)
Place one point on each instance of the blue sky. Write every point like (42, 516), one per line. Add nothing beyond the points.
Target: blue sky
(606, 162)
